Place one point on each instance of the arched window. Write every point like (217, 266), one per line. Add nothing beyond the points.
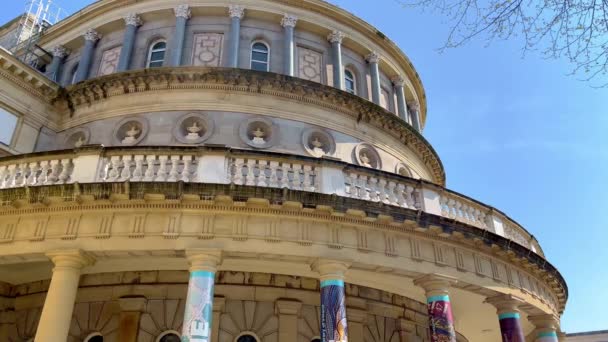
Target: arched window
(169, 336)
(260, 56)
(156, 55)
(94, 337)
(247, 338)
(350, 82)
(315, 340)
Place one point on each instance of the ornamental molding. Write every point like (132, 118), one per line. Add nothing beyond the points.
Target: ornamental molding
(133, 19)
(248, 81)
(60, 51)
(336, 37)
(236, 11)
(183, 11)
(373, 57)
(289, 20)
(91, 35)
(25, 77)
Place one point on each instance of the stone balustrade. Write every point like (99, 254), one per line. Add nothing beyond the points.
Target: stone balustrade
(221, 165)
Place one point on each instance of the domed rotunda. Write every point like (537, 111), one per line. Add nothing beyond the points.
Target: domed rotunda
(242, 171)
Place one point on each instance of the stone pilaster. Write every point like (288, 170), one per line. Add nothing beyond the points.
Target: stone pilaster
(130, 314)
(90, 40)
(59, 303)
(182, 15)
(333, 299)
(236, 13)
(441, 319)
(132, 22)
(198, 315)
(373, 58)
(289, 23)
(335, 38)
(288, 311)
(547, 327)
(218, 308)
(509, 317)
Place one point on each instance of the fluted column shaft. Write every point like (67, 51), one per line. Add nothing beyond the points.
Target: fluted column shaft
(182, 14)
(236, 14)
(334, 325)
(441, 319)
(59, 54)
(399, 83)
(59, 303)
(373, 58)
(90, 40)
(198, 315)
(335, 38)
(132, 22)
(509, 317)
(289, 24)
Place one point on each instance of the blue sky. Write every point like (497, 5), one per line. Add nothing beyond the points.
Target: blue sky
(518, 134)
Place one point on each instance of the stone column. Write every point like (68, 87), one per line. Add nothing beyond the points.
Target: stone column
(59, 303)
(441, 319)
(509, 317)
(90, 39)
(547, 327)
(414, 110)
(236, 13)
(373, 59)
(218, 309)
(399, 83)
(289, 23)
(357, 319)
(59, 54)
(132, 21)
(288, 311)
(198, 315)
(130, 313)
(335, 38)
(333, 300)
(182, 14)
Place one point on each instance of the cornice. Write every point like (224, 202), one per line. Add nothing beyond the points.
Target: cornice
(25, 77)
(278, 203)
(249, 81)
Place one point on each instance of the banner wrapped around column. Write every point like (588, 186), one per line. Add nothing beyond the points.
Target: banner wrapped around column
(510, 327)
(199, 307)
(441, 321)
(333, 312)
(547, 336)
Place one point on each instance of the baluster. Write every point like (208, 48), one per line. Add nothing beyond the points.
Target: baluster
(250, 175)
(114, 166)
(262, 176)
(66, 171)
(471, 214)
(410, 201)
(44, 173)
(54, 174)
(401, 195)
(32, 178)
(274, 174)
(363, 188)
(238, 171)
(481, 218)
(285, 175)
(173, 172)
(457, 211)
(297, 176)
(392, 198)
(451, 210)
(373, 189)
(186, 173)
(307, 174)
(354, 185)
(139, 167)
(3, 176)
(23, 172)
(443, 203)
(126, 168)
(150, 163)
(161, 175)
(382, 190)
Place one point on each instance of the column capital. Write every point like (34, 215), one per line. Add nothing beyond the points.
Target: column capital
(75, 258)
(60, 51)
(132, 304)
(330, 269)
(183, 11)
(435, 284)
(398, 80)
(413, 105)
(545, 322)
(204, 259)
(285, 306)
(336, 36)
(133, 19)
(373, 57)
(92, 35)
(505, 303)
(289, 20)
(236, 11)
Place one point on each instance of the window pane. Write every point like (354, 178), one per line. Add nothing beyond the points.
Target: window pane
(157, 56)
(7, 127)
(259, 66)
(350, 86)
(159, 45)
(259, 56)
(260, 46)
(348, 74)
(155, 64)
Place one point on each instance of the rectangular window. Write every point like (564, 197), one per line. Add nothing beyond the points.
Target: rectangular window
(8, 123)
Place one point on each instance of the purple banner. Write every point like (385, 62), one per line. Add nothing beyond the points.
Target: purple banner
(510, 327)
(333, 312)
(441, 321)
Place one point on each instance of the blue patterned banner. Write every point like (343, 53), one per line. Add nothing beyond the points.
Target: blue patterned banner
(199, 307)
(333, 311)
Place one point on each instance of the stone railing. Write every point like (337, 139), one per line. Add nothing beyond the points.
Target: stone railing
(221, 165)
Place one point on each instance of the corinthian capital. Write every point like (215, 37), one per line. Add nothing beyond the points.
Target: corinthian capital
(60, 51)
(413, 105)
(92, 35)
(289, 20)
(183, 11)
(398, 81)
(236, 11)
(133, 19)
(336, 37)
(373, 57)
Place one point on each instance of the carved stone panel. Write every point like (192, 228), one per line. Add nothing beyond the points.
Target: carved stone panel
(207, 49)
(109, 61)
(309, 64)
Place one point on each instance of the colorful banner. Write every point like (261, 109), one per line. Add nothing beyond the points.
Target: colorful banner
(441, 321)
(549, 336)
(199, 307)
(510, 327)
(333, 312)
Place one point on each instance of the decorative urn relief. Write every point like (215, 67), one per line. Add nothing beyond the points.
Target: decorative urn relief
(318, 143)
(193, 128)
(366, 155)
(258, 132)
(77, 138)
(130, 131)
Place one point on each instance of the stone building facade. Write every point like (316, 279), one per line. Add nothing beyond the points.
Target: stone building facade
(244, 171)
